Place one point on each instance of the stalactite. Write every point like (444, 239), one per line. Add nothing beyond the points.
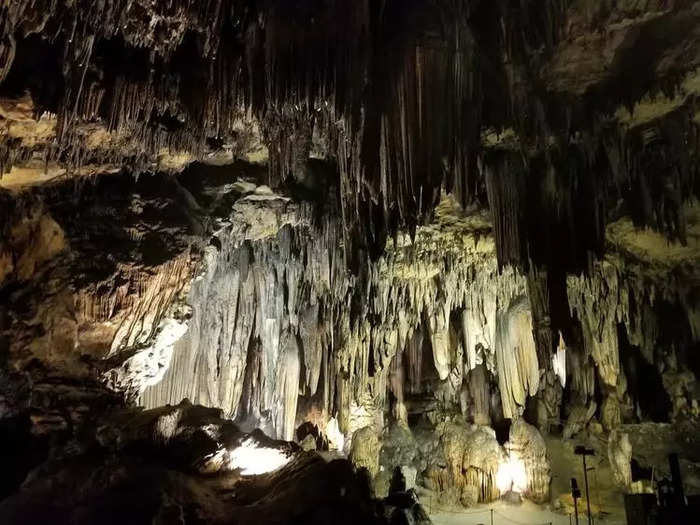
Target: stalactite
(311, 332)
(504, 184)
(538, 295)
(414, 359)
(597, 303)
(287, 387)
(396, 385)
(516, 359)
(559, 362)
(479, 388)
(440, 342)
(479, 329)
(550, 391)
(581, 374)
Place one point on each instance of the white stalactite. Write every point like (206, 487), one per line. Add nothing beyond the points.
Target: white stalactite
(516, 358)
(287, 387)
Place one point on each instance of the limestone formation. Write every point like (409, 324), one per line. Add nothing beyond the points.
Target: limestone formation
(516, 357)
(473, 457)
(364, 452)
(578, 419)
(620, 457)
(610, 416)
(526, 444)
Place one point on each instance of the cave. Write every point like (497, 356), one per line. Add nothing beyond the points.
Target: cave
(349, 261)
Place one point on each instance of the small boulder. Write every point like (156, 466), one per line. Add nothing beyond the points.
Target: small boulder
(308, 443)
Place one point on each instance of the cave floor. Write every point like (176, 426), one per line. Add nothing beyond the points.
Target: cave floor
(506, 514)
(605, 497)
(652, 442)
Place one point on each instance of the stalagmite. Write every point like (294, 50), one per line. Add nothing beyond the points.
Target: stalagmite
(364, 452)
(525, 444)
(473, 457)
(620, 457)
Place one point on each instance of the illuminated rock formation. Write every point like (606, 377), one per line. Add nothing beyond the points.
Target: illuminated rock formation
(525, 444)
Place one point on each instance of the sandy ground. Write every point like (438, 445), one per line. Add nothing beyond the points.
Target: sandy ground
(504, 514)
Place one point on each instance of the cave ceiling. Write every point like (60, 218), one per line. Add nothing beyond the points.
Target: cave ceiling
(588, 106)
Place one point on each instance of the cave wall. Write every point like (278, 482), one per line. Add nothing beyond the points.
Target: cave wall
(289, 294)
(265, 321)
(256, 308)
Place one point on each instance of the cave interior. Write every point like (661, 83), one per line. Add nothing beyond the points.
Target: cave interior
(349, 261)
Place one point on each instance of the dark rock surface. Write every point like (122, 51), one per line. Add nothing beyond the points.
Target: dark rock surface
(162, 466)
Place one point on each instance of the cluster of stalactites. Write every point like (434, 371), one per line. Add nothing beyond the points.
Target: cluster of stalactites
(157, 74)
(261, 328)
(470, 321)
(551, 206)
(278, 319)
(363, 76)
(611, 296)
(364, 72)
(550, 210)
